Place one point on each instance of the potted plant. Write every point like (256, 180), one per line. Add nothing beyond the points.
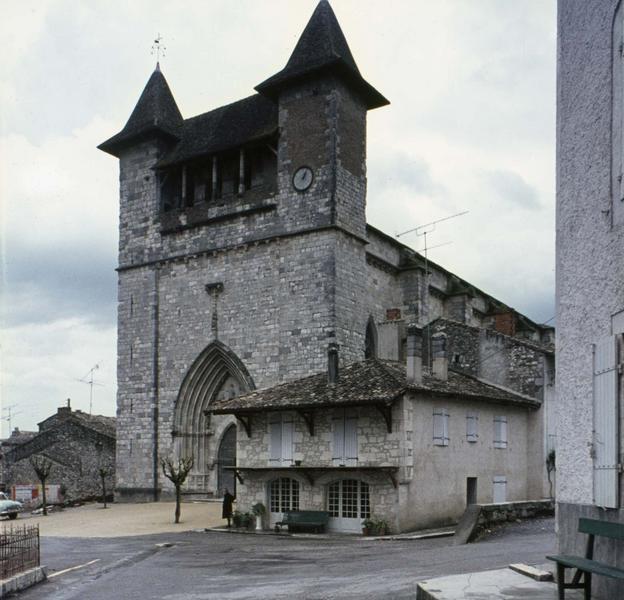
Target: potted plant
(237, 518)
(259, 510)
(247, 520)
(381, 527)
(368, 526)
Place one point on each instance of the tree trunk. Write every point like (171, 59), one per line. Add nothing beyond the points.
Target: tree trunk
(43, 495)
(104, 490)
(177, 511)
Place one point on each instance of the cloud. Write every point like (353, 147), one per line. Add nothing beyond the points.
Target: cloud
(512, 188)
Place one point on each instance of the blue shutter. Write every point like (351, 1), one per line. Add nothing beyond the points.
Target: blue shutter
(275, 439)
(350, 439)
(606, 418)
(287, 439)
(338, 449)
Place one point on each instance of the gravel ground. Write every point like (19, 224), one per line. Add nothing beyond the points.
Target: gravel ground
(92, 520)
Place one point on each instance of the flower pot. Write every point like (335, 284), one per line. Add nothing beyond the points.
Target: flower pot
(365, 531)
(258, 522)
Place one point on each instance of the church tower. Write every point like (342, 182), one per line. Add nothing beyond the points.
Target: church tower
(241, 253)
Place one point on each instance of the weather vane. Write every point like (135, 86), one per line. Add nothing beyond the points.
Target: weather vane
(158, 48)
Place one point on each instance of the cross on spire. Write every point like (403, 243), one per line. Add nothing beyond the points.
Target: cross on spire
(158, 48)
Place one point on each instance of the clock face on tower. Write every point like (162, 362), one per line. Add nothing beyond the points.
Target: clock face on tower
(302, 179)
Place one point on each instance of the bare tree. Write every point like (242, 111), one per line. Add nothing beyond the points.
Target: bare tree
(177, 474)
(104, 472)
(42, 467)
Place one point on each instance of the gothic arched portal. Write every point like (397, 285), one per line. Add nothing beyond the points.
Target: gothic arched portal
(216, 373)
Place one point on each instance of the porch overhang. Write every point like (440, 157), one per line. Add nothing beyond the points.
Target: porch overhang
(313, 473)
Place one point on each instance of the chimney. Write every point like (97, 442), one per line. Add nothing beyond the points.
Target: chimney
(439, 366)
(65, 410)
(414, 354)
(332, 363)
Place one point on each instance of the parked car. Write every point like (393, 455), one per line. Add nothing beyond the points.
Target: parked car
(9, 508)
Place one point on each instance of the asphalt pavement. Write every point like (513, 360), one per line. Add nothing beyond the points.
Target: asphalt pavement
(223, 566)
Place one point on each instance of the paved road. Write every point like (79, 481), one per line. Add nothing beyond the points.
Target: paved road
(221, 566)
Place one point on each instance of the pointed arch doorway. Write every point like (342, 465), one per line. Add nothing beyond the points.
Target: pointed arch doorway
(216, 373)
(226, 457)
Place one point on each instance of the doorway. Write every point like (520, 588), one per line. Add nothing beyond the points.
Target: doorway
(226, 457)
(471, 490)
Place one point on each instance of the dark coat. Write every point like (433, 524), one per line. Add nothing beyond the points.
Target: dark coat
(228, 500)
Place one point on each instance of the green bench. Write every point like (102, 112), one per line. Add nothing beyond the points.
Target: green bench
(316, 520)
(586, 565)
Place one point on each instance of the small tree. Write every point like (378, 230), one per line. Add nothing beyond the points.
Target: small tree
(550, 468)
(42, 467)
(104, 472)
(177, 474)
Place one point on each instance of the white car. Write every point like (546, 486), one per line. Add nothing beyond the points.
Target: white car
(9, 508)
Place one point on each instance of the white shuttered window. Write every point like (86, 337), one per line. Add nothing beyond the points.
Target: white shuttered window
(440, 427)
(472, 426)
(281, 439)
(345, 446)
(606, 418)
(500, 432)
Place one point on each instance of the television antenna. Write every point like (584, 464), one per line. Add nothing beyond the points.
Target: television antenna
(424, 230)
(88, 379)
(10, 415)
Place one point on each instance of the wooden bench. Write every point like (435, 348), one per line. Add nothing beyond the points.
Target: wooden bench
(586, 565)
(316, 520)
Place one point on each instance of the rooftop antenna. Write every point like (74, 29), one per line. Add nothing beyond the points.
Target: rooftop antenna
(158, 49)
(11, 414)
(424, 230)
(88, 379)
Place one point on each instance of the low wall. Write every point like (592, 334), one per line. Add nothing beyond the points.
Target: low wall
(22, 581)
(478, 518)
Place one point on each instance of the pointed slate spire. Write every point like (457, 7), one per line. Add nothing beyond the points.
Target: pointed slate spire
(322, 47)
(155, 112)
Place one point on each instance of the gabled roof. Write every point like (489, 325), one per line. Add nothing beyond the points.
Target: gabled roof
(322, 47)
(226, 127)
(369, 382)
(155, 112)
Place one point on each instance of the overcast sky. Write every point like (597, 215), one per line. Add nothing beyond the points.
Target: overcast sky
(471, 127)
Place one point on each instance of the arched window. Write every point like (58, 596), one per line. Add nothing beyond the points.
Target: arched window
(283, 495)
(348, 499)
(370, 341)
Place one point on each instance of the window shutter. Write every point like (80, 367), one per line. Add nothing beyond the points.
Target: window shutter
(339, 438)
(500, 432)
(606, 418)
(472, 427)
(440, 427)
(287, 439)
(499, 492)
(275, 438)
(350, 439)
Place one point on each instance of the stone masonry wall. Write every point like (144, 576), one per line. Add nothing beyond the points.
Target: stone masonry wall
(77, 455)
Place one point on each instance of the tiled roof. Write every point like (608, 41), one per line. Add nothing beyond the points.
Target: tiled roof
(368, 382)
(156, 111)
(226, 127)
(99, 423)
(322, 47)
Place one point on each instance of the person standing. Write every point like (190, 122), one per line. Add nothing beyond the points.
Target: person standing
(228, 501)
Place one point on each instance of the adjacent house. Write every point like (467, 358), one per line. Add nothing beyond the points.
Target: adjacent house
(77, 444)
(590, 276)
(381, 438)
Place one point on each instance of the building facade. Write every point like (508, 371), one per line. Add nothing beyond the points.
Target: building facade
(590, 273)
(381, 439)
(244, 254)
(78, 446)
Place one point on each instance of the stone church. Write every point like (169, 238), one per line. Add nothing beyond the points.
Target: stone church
(245, 258)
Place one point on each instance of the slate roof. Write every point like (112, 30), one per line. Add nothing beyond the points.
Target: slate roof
(99, 423)
(371, 381)
(156, 111)
(226, 127)
(322, 47)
